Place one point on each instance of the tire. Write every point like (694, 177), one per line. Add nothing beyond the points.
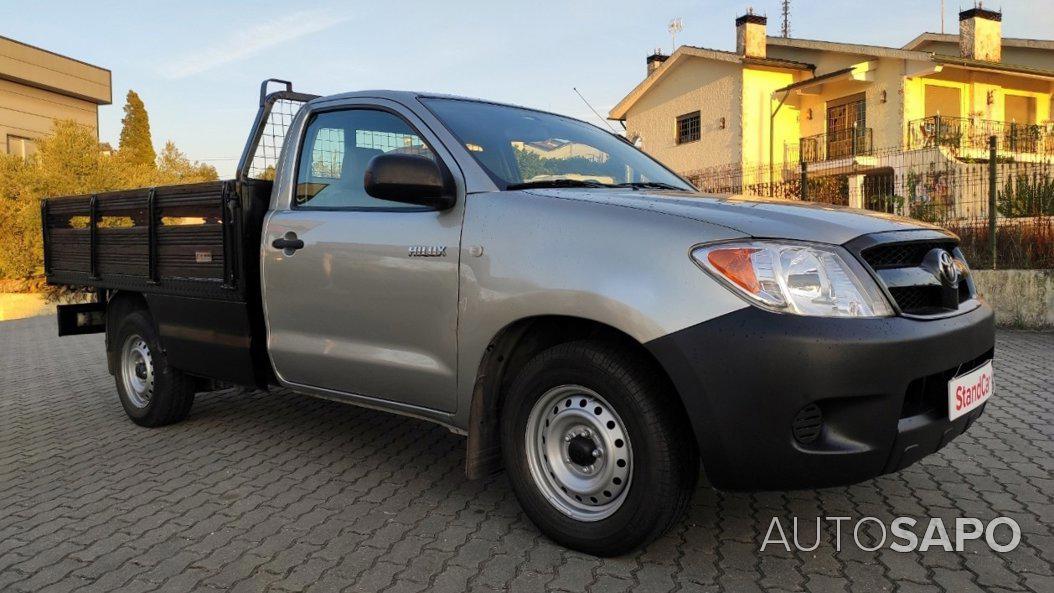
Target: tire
(151, 392)
(594, 395)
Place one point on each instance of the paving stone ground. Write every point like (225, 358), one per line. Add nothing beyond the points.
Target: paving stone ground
(281, 492)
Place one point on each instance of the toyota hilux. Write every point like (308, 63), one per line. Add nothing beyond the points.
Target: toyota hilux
(589, 321)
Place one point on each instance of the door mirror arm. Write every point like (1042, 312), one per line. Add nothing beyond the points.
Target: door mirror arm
(410, 179)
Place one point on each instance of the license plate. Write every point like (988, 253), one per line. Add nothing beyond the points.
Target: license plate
(967, 392)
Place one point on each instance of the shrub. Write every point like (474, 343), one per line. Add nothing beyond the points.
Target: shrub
(1026, 195)
(1019, 245)
(890, 204)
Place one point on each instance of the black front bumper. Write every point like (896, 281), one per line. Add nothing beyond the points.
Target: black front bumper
(879, 384)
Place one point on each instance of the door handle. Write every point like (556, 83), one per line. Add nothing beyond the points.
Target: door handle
(289, 243)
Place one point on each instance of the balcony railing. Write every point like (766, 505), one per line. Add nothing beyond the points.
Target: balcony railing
(967, 134)
(835, 145)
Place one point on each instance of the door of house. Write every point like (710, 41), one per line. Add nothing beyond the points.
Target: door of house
(944, 125)
(944, 101)
(846, 125)
(1019, 130)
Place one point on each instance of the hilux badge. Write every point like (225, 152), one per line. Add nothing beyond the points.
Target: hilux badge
(427, 251)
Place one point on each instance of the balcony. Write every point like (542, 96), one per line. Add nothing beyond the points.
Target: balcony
(836, 145)
(968, 137)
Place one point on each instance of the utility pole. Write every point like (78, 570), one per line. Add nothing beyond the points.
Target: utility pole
(786, 29)
(942, 17)
(992, 200)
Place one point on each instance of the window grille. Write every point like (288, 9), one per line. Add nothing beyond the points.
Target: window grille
(688, 128)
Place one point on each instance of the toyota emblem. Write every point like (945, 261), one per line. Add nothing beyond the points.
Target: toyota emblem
(947, 271)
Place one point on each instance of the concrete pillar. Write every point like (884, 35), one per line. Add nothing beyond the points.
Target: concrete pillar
(856, 191)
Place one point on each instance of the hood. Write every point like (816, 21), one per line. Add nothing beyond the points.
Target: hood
(756, 217)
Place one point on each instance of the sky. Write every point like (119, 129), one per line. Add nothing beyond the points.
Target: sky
(197, 64)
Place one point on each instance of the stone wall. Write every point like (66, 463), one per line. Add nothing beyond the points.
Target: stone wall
(1021, 298)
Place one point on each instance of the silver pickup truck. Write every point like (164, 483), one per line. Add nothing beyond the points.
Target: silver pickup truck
(589, 321)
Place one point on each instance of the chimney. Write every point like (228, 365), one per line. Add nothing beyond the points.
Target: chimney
(655, 60)
(750, 35)
(981, 34)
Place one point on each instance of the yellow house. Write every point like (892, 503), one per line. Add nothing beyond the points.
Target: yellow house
(775, 101)
(38, 86)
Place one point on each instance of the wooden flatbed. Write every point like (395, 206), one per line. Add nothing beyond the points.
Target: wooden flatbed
(190, 251)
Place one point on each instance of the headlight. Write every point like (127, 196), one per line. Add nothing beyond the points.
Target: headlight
(798, 278)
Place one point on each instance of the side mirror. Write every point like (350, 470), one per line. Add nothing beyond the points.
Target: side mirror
(411, 179)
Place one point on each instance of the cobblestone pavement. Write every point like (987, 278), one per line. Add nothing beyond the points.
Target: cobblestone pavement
(280, 492)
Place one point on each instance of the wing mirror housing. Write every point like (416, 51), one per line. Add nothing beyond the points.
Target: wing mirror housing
(410, 179)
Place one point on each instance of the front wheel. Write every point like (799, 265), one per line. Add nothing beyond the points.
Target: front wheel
(151, 392)
(596, 451)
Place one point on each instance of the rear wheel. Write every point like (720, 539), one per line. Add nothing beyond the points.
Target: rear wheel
(151, 392)
(597, 454)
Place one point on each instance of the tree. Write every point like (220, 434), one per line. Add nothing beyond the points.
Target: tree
(174, 167)
(136, 145)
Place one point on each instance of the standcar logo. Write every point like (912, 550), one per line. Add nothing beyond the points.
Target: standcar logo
(871, 533)
(968, 395)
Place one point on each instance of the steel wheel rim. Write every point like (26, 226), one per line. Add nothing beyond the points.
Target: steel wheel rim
(564, 423)
(137, 371)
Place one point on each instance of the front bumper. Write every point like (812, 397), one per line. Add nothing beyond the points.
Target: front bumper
(880, 385)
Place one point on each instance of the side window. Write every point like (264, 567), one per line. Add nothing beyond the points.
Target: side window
(337, 148)
(688, 128)
(21, 147)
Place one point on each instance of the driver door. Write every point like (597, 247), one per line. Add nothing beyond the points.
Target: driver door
(355, 310)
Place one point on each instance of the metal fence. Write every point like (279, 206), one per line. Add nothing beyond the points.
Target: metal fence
(965, 135)
(996, 193)
(836, 144)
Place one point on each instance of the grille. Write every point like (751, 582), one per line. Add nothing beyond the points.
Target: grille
(808, 424)
(929, 394)
(901, 255)
(920, 299)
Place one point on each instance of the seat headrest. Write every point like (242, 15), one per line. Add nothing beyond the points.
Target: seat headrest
(355, 161)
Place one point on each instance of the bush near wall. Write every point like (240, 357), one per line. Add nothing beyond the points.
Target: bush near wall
(1027, 194)
(1021, 244)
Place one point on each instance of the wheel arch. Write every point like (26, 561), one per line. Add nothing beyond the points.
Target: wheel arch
(118, 304)
(508, 351)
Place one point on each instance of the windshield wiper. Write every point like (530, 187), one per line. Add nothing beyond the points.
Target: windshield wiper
(557, 183)
(649, 185)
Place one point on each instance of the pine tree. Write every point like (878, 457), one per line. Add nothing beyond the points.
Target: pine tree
(136, 144)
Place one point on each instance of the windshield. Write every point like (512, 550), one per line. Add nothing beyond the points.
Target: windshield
(525, 148)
